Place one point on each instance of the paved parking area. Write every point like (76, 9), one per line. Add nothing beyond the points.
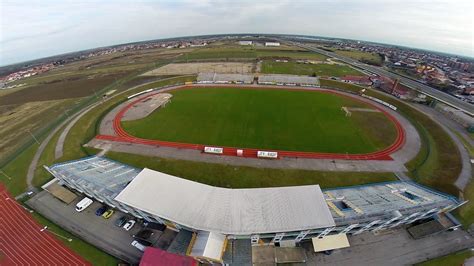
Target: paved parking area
(98, 231)
(394, 247)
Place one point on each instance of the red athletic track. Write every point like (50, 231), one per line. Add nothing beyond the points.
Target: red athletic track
(123, 136)
(22, 242)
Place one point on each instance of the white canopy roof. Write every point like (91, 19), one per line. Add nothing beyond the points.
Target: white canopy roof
(330, 242)
(227, 211)
(210, 245)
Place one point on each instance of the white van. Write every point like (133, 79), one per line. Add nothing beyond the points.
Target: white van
(138, 245)
(83, 204)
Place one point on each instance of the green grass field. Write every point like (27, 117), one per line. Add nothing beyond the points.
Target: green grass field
(369, 58)
(266, 119)
(457, 258)
(293, 68)
(231, 176)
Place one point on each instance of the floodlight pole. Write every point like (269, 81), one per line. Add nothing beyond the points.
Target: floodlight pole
(33, 136)
(5, 174)
(56, 234)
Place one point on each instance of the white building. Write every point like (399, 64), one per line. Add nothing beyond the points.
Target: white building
(218, 78)
(272, 44)
(245, 42)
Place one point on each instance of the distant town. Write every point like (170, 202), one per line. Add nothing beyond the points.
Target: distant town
(448, 73)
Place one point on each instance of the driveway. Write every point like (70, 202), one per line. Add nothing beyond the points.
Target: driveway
(394, 247)
(97, 231)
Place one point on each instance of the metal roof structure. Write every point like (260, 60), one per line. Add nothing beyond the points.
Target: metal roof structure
(287, 79)
(358, 204)
(224, 78)
(96, 174)
(227, 211)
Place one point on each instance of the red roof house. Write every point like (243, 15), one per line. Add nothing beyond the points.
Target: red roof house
(158, 257)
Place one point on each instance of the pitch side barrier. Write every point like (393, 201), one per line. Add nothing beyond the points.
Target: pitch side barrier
(380, 101)
(214, 150)
(267, 154)
(139, 93)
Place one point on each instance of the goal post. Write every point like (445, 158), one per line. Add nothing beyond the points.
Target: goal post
(346, 111)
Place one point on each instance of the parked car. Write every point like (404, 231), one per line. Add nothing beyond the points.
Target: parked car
(108, 214)
(139, 246)
(101, 210)
(129, 225)
(83, 204)
(155, 226)
(144, 234)
(121, 221)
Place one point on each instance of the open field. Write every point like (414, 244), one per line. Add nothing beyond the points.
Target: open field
(60, 89)
(293, 54)
(438, 163)
(330, 70)
(195, 68)
(369, 58)
(248, 177)
(267, 119)
(17, 120)
(220, 53)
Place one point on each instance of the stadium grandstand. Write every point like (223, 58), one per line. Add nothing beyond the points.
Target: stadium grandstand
(288, 80)
(279, 214)
(217, 78)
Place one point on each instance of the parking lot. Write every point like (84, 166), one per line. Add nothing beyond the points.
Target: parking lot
(96, 230)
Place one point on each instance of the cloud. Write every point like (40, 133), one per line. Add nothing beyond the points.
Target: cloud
(35, 29)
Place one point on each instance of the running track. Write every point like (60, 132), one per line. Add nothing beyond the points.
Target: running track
(22, 242)
(123, 136)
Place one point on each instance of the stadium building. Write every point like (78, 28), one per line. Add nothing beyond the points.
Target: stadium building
(277, 215)
(288, 80)
(217, 78)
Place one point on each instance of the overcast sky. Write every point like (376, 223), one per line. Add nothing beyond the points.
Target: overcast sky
(35, 29)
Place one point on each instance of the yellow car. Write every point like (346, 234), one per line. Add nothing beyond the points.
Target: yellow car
(108, 214)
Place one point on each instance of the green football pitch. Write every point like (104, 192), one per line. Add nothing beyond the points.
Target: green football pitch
(292, 120)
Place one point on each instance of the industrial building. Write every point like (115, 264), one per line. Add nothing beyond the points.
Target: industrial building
(277, 215)
(288, 80)
(216, 78)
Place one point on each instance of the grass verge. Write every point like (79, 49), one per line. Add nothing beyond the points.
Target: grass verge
(13, 175)
(248, 177)
(457, 258)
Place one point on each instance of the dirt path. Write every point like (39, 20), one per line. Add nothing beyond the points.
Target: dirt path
(34, 163)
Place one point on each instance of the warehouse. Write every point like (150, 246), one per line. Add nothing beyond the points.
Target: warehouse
(288, 80)
(217, 78)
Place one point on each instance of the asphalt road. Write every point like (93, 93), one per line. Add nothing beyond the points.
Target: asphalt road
(441, 96)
